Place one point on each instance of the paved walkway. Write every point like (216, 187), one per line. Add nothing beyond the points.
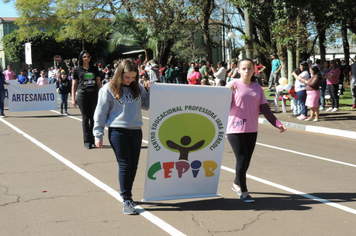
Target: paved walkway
(341, 123)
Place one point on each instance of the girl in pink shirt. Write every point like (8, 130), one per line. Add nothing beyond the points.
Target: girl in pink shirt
(42, 80)
(248, 100)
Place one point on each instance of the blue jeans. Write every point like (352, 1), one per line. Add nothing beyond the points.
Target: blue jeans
(64, 102)
(302, 97)
(2, 98)
(322, 94)
(126, 144)
(297, 110)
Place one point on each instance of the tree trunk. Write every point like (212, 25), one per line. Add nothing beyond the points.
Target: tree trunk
(346, 45)
(322, 38)
(290, 65)
(248, 34)
(166, 50)
(207, 40)
(282, 52)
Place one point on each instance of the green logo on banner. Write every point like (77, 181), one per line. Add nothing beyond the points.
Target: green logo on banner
(185, 133)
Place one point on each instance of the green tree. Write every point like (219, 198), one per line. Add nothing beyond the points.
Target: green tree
(82, 20)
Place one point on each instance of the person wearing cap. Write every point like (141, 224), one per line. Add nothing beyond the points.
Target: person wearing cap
(353, 83)
(276, 68)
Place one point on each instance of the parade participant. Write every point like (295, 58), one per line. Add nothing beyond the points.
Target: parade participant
(22, 78)
(119, 108)
(86, 81)
(9, 74)
(64, 88)
(313, 93)
(43, 79)
(2, 92)
(248, 100)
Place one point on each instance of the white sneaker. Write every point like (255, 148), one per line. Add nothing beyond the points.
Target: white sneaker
(334, 110)
(321, 109)
(329, 109)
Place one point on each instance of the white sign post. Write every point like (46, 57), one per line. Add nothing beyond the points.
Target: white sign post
(186, 141)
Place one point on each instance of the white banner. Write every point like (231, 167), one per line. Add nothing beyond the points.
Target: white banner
(28, 54)
(186, 141)
(30, 97)
(6, 101)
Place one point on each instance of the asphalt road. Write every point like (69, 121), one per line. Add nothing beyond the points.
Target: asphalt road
(303, 183)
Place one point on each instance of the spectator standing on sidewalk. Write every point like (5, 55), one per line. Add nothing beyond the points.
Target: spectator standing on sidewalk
(276, 68)
(300, 88)
(333, 86)
(313, 93)
(323, 72)
(353, 83)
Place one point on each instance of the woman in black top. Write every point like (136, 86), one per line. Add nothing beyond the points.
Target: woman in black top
(86, 82)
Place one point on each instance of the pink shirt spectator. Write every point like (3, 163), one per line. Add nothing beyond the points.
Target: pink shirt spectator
(195, 78)
(9, 75)
(335, 76)
(245, 107)
(42, 81)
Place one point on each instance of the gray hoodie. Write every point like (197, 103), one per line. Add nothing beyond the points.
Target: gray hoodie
(122, 113)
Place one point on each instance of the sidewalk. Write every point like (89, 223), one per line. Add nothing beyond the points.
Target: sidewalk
(341, 123)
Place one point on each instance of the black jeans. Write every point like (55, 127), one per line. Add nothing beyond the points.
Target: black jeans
(87, 103)
(243, 145)
(126, 144)
(334, 97)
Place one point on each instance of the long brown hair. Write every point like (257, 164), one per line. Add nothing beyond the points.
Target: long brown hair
(115, 83)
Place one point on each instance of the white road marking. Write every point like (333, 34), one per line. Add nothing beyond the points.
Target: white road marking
(149, 216)
(308, 155)
(314, 198)
(321, 200)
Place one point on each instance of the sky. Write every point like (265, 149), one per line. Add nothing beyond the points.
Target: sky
(7, 10)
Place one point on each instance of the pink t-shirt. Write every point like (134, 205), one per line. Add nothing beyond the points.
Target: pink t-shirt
(42, 81)
(245, 107)
(195, 78)
(335, 76)
(9, 75)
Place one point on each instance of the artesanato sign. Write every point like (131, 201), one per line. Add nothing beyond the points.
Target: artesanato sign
(187, 135)
(29, 97)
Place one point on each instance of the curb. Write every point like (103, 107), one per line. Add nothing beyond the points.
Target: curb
(315, 129)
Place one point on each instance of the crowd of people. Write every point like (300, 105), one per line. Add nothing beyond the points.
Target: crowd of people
(314, 83)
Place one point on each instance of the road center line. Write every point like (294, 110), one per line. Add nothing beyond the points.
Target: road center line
(149, 216)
